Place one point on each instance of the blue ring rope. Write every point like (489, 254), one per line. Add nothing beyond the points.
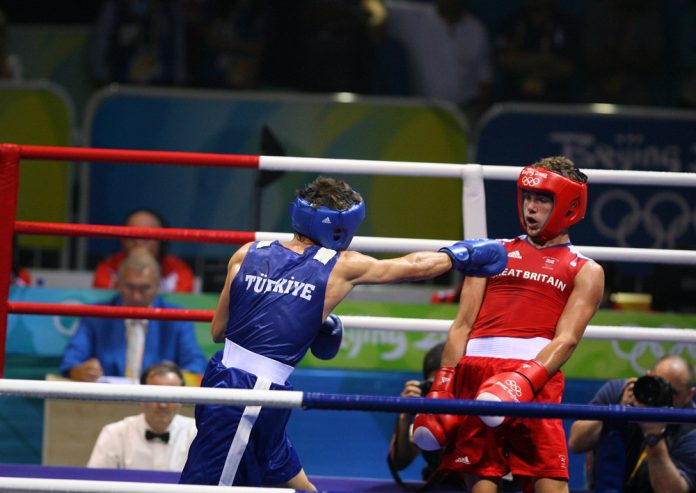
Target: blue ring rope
(352, 402)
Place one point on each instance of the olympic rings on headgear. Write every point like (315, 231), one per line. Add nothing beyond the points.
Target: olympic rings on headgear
(528, 181)
(569, 199)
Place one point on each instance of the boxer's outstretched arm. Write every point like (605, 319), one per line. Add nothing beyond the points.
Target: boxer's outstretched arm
(354, 268)
(358, 268)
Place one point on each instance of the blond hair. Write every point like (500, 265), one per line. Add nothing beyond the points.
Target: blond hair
(139, 260)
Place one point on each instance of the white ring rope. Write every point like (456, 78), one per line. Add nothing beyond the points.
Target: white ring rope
(606, 176)
(28, 485)
(344, 402)
(440, 170)
(372, 243)
(643, 255)
(407, 245)
(149, 393)
(602, 332)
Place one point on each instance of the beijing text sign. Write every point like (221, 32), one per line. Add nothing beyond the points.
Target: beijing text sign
(626, 139)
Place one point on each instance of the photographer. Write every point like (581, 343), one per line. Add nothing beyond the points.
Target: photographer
(402, 450)
(642, 457)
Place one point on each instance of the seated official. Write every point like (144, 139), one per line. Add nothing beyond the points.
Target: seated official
(176, 275)
(117, 347)
(157, 439)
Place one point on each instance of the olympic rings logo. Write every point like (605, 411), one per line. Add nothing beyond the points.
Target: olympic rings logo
(513, 389)
(530, 181)
(664, 229)
(67, 325)
(642, 355)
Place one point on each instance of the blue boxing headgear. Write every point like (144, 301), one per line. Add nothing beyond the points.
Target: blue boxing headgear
(328, 227)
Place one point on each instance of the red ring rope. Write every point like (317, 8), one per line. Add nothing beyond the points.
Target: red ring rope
(130, 156)
(103, 231)
(10, 156)
(110, 311)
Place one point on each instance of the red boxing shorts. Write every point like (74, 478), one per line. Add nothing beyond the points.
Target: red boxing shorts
(523, 446)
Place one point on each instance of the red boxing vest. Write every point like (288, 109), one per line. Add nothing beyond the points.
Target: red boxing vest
(527, 298)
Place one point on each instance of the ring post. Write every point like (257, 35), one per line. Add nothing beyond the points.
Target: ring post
(474, 202)
(9, 183)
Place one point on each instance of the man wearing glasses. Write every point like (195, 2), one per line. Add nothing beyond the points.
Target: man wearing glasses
(104, 347)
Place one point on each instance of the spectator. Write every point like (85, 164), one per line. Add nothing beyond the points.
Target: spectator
(116, 347)
(176, 274)
(10, 64)
(391, 71)
(157, 439)
(19, 276)
(449, 49)
(402, 450)
(321, 45)
(642, 457)
(623, 45)
(139, 42)
(685, 52)
(228, 43)
(536, 54)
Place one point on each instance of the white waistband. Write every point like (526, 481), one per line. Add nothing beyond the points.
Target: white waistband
(235, 356)
(506, 347)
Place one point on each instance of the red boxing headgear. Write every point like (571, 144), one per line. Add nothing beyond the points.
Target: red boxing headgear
(569, 199)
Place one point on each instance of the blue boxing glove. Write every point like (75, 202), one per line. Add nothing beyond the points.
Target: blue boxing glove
(328, 339)
(479, 258)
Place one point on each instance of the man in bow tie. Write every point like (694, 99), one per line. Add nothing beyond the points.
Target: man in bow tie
(157, 439)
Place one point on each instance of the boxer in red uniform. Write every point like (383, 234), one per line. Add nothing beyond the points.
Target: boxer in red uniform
(512, 334)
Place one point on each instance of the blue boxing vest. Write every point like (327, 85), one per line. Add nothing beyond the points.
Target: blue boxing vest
(277, 300)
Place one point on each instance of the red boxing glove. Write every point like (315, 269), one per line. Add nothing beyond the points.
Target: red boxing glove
(432, 431)
(520, 385)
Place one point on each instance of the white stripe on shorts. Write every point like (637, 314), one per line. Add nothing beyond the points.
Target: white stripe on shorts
(241, 437)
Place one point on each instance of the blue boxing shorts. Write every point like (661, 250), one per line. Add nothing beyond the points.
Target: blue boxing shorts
(241, 446)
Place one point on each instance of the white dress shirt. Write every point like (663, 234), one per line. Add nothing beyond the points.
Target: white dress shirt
(122, 445)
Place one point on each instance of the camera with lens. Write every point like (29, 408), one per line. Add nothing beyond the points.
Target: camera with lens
(425, 386)
(653, 391)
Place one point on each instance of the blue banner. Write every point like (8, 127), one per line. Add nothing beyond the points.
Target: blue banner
(598, 137)
(46, 335)
(233, 199)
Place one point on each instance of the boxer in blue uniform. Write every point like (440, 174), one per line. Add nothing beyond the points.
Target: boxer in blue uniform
(275, 306)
